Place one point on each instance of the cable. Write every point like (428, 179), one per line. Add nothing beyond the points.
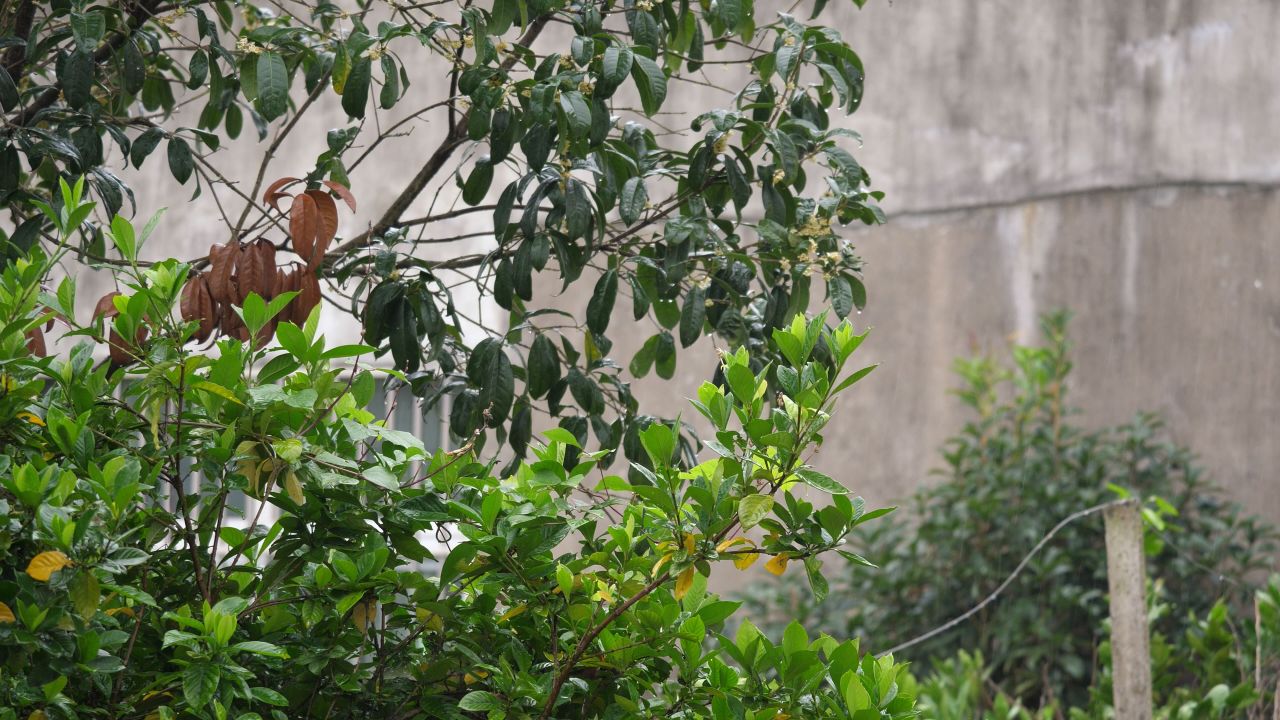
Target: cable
(1016, 571)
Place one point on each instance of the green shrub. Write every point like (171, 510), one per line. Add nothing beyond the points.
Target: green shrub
(565, 592)
(1017, 469)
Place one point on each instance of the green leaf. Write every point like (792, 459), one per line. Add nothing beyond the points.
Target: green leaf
(693, 316)
(576, 111)
(273, 86)
(477, 185)
(269, 696)
(659, 441)
(794, 639)
(144, 144)
(817, 583)
(257, 647)
(497, 393)
(651, 82)
(544, 366)
(841, 294)
(355, 92)
(815, 479)
(199, 683)
(181, 163)
(8, 91)
(76, 76)
(754, 508)
(480, 701)
(614, 68)
(600, 307)
(633, 200)
(390, 92)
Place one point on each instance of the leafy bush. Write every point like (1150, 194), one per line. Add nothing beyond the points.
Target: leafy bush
(127, 591)
(1013, 473)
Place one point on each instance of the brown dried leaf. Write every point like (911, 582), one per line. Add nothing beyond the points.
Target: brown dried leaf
(342, 192)
(304, 223)
(273, 194)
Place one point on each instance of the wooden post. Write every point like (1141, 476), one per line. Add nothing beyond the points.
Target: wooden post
(1130, 636)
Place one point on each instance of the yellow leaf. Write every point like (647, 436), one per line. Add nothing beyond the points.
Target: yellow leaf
(513, 612)
(37, 715)
(683, 583)
(689, 541)
(433, 621)
(363, 613)
(603, 593)
(472, 679)
(661, 561)
(46, 564)
(294, 488)
(31, 418)
(120, 611)
(734, 541)
(6, 614)
(777, 564)
(216, 389)
(745, 560)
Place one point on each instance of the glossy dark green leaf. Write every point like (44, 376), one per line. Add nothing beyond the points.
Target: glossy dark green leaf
(198, 69)
(181, 163)
(544, 366)
(693, 316)
(355, 93)
(633, 200)
(841, 295)
(651, 83)
(477, 184)
(615, 66)
(600, 307)
(8, 91)
(76, 75)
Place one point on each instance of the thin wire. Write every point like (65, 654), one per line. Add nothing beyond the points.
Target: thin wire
(1016, 571)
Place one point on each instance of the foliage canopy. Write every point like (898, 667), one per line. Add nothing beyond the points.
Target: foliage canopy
(549, 136)
(552, 588)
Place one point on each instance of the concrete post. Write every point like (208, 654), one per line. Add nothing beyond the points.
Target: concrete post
(1130, 638)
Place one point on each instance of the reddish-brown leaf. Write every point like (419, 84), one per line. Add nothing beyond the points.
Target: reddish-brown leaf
(247, 273)
(222, 262)
(189, 303)
(206, 309)
(308, 296)
(341, 191)
(273, 195)
(328, 218)
(265, 260)
(304, 222)
(35, 342)
(105, 307)
(123, 353)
